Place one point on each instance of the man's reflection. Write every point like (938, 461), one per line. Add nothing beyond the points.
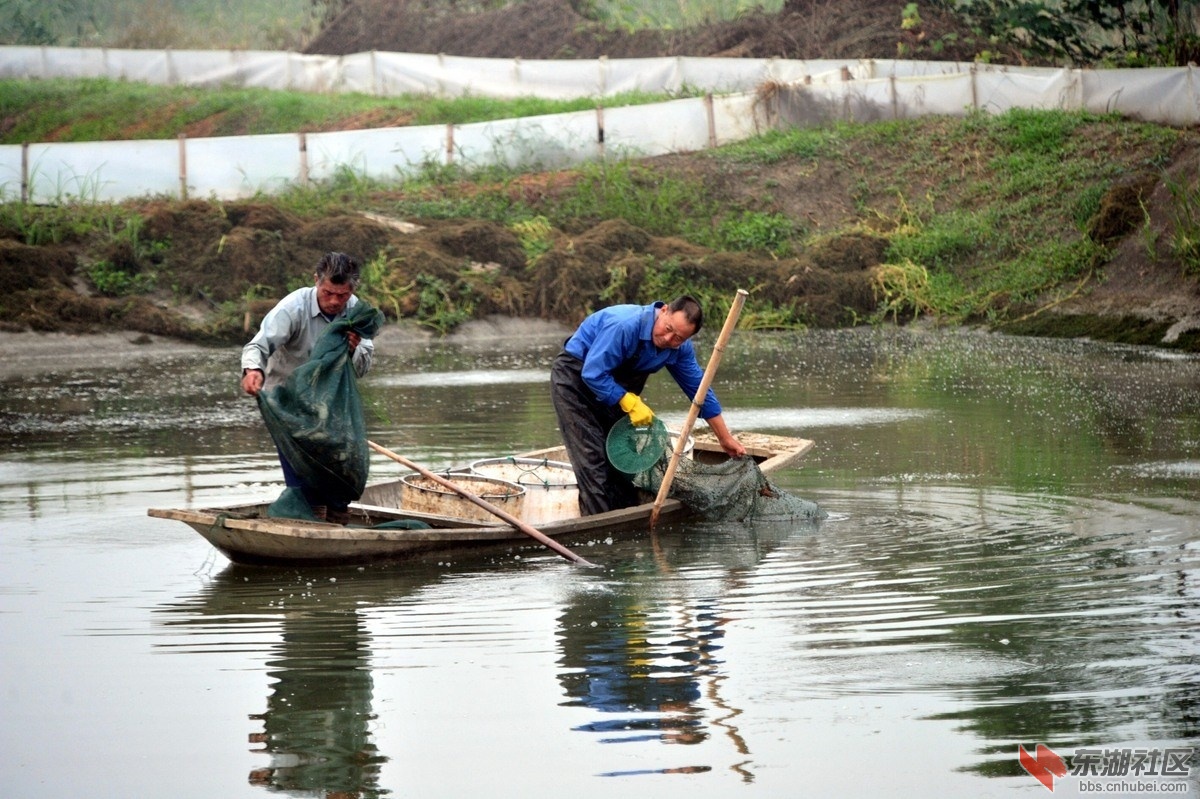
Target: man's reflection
(643, 662)
(316, 728)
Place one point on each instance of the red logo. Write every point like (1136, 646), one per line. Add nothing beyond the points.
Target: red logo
(1045, 765)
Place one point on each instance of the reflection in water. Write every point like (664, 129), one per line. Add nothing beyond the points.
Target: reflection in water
(643, 662)
(647, 655)
(1047, 618)
(618, 667)
(316, 729)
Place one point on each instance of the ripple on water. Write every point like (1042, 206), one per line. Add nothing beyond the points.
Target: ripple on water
(983, 594)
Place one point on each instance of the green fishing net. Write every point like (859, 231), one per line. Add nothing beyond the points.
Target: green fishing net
(732, 490)
(316, 416)
(291, 504)
(635, 449)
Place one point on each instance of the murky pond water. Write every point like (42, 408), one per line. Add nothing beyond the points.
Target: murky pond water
(1010, 559)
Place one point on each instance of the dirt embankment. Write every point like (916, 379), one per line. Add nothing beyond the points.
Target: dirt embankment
(1135, 297)
(554, 29)
(227, 263)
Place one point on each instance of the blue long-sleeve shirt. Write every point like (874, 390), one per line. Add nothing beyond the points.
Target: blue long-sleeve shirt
(614, 335)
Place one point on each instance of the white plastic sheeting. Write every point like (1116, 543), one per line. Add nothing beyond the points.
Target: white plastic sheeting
(390, 74)
(1169, 96)
(1164, 96)
(240, 166)
(381, 153)
(106, 171)
(752, 96)
(232, 167)
(555, 141)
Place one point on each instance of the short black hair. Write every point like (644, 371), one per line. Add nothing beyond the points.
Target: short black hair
(339, 268)
(691, 310)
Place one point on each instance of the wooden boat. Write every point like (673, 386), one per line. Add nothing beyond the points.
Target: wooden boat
(245, 534)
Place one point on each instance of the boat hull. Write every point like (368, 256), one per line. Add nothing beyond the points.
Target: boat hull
(245, 534)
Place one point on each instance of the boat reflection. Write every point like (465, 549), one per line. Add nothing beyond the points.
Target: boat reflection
(316, 728)
(643, 665)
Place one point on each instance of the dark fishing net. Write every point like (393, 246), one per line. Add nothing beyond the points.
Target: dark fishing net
(732, 490)
(292, 504)
(316, 416)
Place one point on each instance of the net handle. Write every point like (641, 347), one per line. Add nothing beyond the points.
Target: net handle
(710, 371)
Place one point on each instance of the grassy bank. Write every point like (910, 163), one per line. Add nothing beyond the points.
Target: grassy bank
(977, 219)
(74, 110)
(981, 219)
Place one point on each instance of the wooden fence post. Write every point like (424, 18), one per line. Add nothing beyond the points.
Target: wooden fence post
(183, 172)
(303, 159)
(712, 120)
(600, 132)
(25, 172)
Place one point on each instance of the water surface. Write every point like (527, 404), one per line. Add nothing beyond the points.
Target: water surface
(1011, 558)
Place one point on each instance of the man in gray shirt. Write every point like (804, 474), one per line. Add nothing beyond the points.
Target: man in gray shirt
(286, 338)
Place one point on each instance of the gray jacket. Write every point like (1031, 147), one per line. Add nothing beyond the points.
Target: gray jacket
(287, 336)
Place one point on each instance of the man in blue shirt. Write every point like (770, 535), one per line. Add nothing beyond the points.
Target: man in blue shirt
(600, 375)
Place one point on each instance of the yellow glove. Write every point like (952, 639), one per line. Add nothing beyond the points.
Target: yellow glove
(639, 412)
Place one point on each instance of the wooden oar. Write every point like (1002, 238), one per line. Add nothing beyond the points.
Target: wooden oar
(500, 513)
(693, 412)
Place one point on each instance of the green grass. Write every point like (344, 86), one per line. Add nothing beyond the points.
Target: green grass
(985, 234)
(972, 246)
(807, 144)
(640, 195)
(672, 14)
(1184, 240)
(988, 246)
(71, 110)
(645, 198)
(156, 24)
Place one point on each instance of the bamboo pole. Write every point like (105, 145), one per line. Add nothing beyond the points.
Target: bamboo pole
(710, 371)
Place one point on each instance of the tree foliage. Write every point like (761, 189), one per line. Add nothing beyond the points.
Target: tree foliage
(1092, 32)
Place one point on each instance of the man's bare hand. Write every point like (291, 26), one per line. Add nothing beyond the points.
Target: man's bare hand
(252, 382)
(733, 448)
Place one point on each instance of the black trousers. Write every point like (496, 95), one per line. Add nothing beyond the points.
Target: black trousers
(584, 423)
